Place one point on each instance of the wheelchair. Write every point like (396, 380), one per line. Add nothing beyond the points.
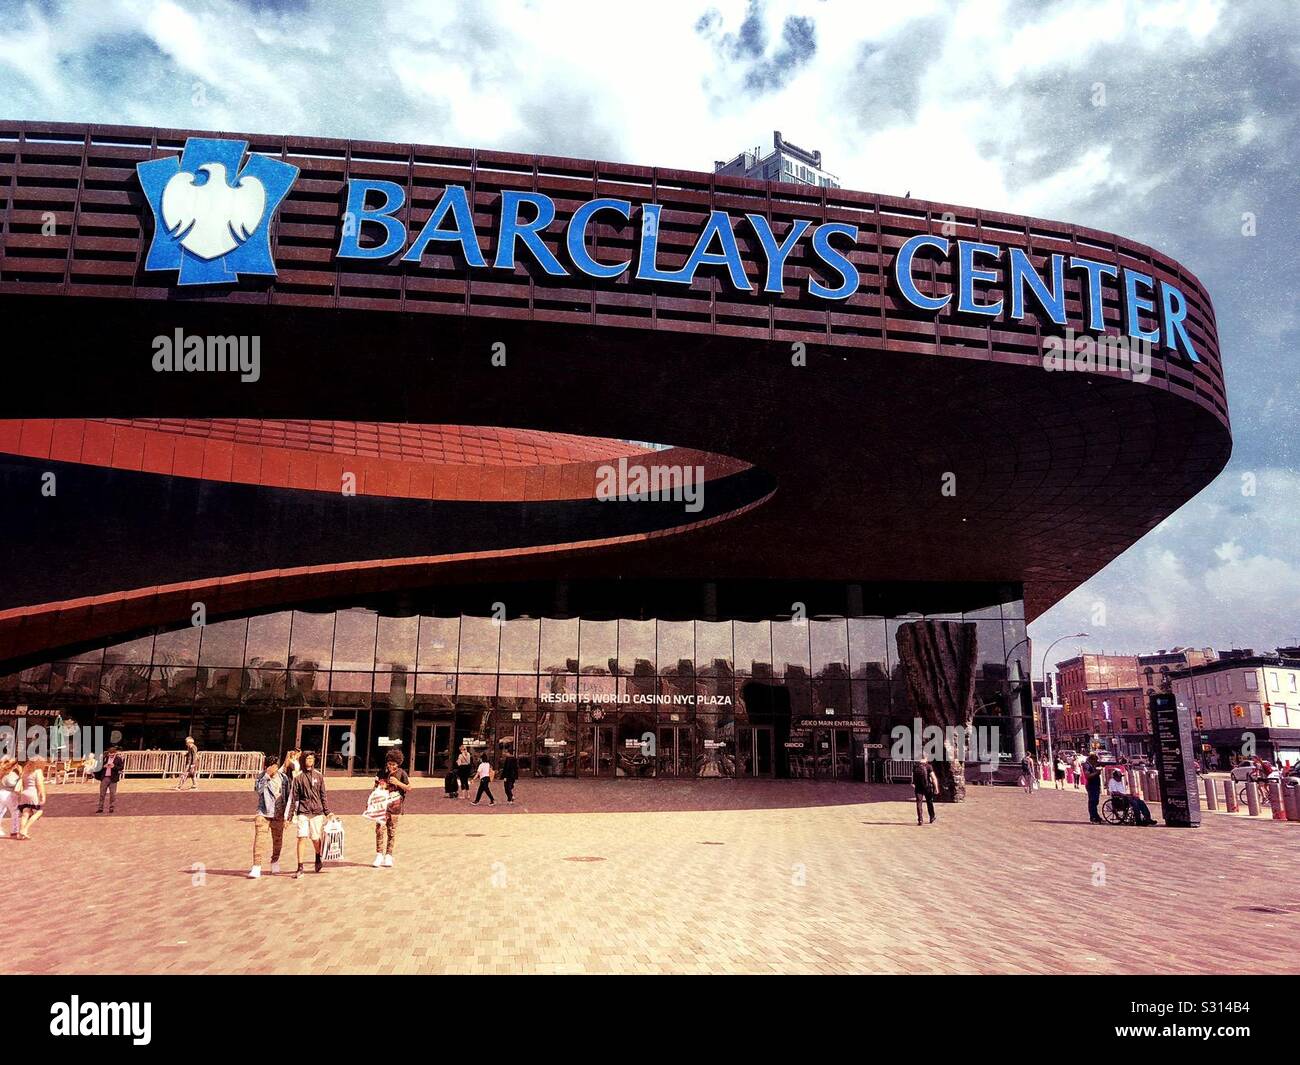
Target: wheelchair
(1118, 811)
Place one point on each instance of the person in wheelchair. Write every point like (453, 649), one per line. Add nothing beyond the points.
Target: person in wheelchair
(1122, 800)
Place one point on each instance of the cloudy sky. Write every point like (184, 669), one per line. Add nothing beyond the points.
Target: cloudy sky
(1169, 122)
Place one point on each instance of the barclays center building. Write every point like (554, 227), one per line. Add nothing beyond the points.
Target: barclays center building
(634, 472)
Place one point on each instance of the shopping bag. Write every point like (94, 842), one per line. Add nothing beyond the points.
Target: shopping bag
(377, 804)
(332, 850)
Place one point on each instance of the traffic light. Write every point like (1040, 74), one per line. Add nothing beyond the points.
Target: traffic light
(1200, 721)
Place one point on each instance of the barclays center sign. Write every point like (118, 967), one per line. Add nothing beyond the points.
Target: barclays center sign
(212, 221)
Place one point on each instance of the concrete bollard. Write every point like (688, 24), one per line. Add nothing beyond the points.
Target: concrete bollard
(1211, 800)
(1252, 798)
(1229, 797)
(1291, 801)
(1153, 786)
(1275, 799)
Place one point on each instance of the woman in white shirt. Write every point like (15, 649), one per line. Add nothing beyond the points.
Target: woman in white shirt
(484, 777)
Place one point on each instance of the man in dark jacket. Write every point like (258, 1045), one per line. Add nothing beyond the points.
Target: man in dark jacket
(510, 773)
(308, 807)
(108, 775)
(924, 785)
(1092, 781)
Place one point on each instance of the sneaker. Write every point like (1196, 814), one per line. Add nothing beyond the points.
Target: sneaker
(388, 861)
(379, 861)
(298, 874)
(275, 868)
(474, 802)
(255, 872)
(100, 810)
(318, 863)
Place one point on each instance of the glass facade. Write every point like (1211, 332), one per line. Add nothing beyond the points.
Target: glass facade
(590, 696)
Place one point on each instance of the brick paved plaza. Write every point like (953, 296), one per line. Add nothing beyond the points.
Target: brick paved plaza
(625, 877)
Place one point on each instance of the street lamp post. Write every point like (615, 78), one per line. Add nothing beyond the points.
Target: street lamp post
(1051, 761)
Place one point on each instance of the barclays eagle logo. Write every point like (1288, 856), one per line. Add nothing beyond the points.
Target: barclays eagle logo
(212, 220)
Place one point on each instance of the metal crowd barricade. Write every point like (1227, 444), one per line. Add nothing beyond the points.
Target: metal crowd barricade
(210, 763)
(899, 771)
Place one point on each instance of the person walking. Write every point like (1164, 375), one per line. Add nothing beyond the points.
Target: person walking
(308, 808)
(394, 778)
(1078, 770)
(190, 770)
(31, 800)
(924, 784)
(108, 775)
(1059, 773)
(289, 770)
(269, 787)
(463, 769)
(1092, 781)
(10, 778)
(510, 774)
(484, 779)
(1028, 769)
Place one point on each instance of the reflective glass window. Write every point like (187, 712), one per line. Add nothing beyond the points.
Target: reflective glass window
(598, 647)
(222, 644)
(867, 657)
(396, 642)
(753, 648)
(354, 641)
(713, 648)
(268, 640)
(559, 652)
(519, 642)
(435, 691)
(790, 654)
(830, 647)
(676, 647)
(480, 644)
(636, 646)
(991, 654)
(173, 684)
(135, 652)
(439, 640)
(393, 688)
(179, 648)
(475, 687)
(312, 640)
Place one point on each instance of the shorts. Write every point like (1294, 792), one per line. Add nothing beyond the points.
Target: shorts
(310, 827)
(30, 806)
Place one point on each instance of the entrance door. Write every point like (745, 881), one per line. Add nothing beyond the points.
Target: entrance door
(842, 760)
(516, 739)
(675, 756)
(432, 755)
(666, 753)
(755, 751)
(833, 753)
(603, 758)
(331, 741)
